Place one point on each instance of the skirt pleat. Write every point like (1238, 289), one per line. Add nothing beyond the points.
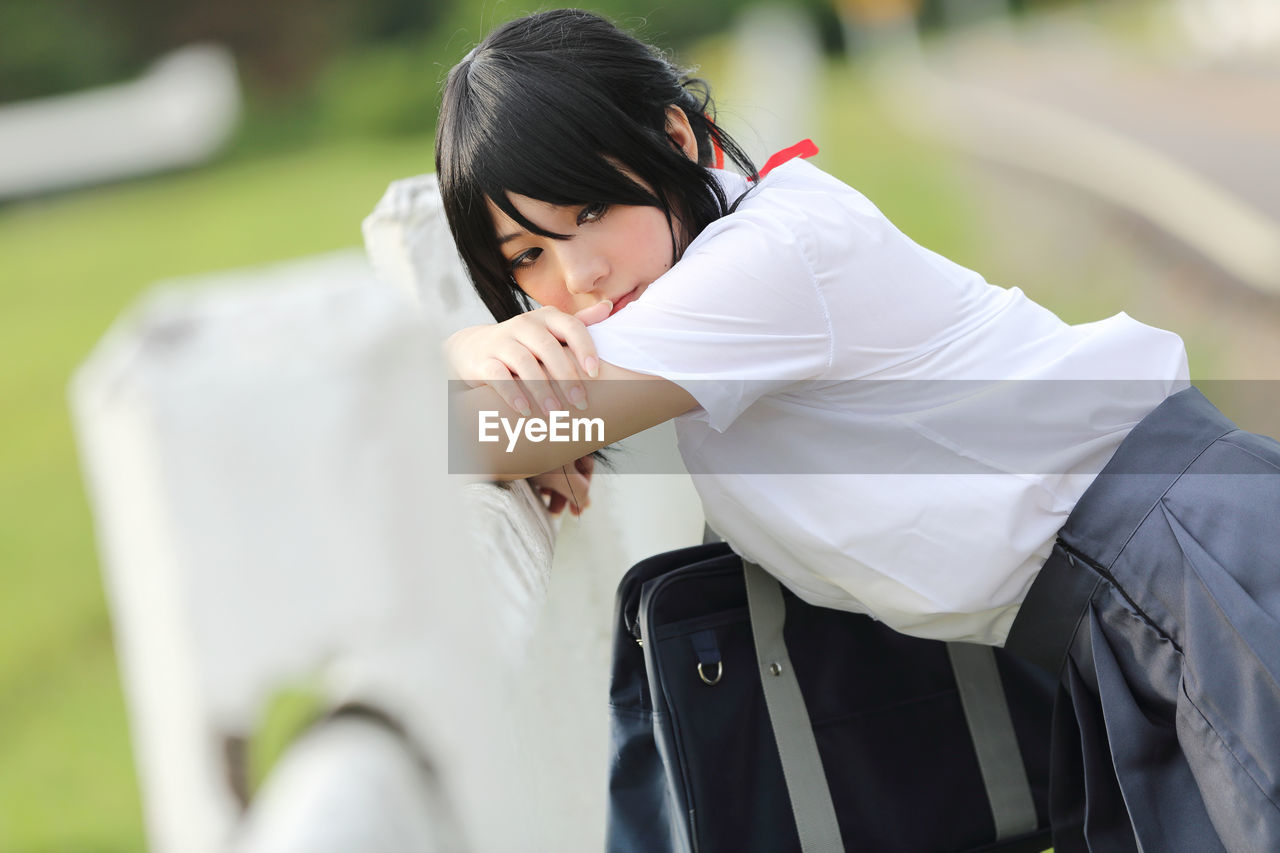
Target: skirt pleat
(1167, 734)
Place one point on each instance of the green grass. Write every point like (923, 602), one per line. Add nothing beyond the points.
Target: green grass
(68, 266)
(910, 180)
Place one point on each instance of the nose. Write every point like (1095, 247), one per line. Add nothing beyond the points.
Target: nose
(584, 267)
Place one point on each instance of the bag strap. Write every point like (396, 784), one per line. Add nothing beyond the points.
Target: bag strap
(811, 804)
(982, 698)
(991, 727)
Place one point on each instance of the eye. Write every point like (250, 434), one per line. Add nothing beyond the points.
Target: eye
(524, 259)
(592, 212)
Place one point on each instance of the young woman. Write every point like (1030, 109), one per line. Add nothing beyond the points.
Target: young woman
(875, 425)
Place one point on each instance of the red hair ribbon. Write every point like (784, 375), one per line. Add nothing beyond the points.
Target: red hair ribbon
(802, 149)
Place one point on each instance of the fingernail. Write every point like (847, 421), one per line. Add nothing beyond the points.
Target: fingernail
(522, 406)
(593, 366)
(578, 397)
(550, 405)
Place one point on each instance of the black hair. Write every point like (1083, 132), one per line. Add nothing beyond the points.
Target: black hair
(554, 106)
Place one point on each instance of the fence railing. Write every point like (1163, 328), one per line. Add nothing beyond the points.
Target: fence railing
(266, 459)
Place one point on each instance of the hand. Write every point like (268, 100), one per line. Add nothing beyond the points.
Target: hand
(566, 486)
(536, 355)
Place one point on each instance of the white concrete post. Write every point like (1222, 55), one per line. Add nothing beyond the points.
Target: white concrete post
(267, 468)
(266, 458)
(561, 684)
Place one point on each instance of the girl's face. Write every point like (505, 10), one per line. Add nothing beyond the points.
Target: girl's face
(612, 252)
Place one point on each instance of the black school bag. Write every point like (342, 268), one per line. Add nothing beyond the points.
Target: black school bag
(914, 745)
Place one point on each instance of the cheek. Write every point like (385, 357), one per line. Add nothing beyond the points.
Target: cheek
(546, 295)
(532, 287)
(657, 242)
(547, 291)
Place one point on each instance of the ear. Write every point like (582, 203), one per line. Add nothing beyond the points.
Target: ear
(680, 132)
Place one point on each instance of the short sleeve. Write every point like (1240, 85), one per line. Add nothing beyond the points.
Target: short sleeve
(740, 315)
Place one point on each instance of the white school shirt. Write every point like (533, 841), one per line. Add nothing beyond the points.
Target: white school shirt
(878, 427)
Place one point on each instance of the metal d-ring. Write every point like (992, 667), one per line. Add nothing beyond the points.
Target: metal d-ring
(712, 681)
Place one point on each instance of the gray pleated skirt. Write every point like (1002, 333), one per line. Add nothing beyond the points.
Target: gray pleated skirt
(1160, 609)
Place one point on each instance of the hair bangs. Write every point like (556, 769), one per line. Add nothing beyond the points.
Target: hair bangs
(560, 146)
(564, 108)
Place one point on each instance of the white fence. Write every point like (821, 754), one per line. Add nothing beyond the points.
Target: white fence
(266, 458)
(179, 113)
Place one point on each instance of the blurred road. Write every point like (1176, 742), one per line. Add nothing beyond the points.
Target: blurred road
(1187, 145)
(1104, 175)
(1108, 178)
(1220, 120)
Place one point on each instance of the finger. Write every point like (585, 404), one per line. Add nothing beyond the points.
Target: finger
(573, 332)
(555, 502)
(579, 487)
(567, 482)
(526, 366)
(560, 366)
(596, 313)
(570, 332)
(498, 376)
(555, 488)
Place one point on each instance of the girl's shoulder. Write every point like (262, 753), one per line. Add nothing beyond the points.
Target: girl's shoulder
(784, 183)
(800, 186)
(797, 203)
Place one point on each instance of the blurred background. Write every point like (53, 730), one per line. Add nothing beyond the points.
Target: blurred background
(1101, 156)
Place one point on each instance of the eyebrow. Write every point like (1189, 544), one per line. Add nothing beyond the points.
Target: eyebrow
(504, 239)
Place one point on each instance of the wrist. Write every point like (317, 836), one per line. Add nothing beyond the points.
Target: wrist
(453, 346)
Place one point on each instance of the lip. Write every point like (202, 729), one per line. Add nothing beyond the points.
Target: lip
(627, 299)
